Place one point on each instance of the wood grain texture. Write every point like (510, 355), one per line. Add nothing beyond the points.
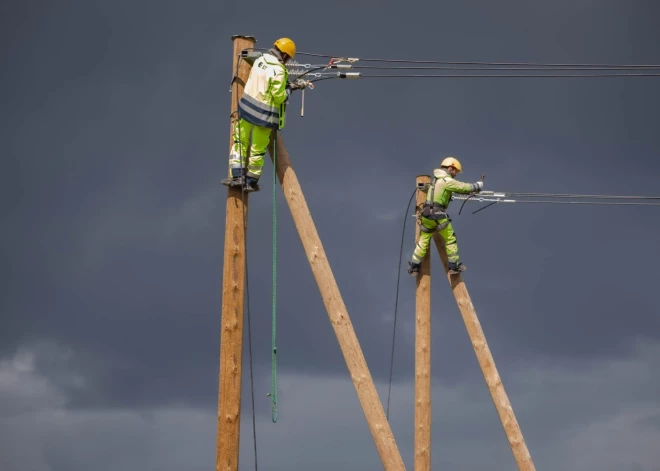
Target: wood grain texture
(423, 349)
(337, 313)
(233, 290)
(487, 363)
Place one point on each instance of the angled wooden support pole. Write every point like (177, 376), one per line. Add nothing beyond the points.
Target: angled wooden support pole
(423, 347)
(487, 364)
(341, 322)
(233, 289)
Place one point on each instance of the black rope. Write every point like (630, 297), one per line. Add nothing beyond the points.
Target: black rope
(484, 207)
(396, 303)
(465, 201)
(247, 294)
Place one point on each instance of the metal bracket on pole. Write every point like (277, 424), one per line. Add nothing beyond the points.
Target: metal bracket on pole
(250, 56)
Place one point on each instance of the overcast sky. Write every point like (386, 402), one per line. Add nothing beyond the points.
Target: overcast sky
(114, 137)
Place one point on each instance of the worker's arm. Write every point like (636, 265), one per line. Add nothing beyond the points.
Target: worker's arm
(279, 90)
(461, 187)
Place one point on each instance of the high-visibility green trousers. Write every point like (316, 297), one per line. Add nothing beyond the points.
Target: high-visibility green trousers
(257, 143)
(447, 233)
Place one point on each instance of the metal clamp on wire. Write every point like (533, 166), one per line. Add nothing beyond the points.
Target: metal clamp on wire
(334, 60)
(340, 66)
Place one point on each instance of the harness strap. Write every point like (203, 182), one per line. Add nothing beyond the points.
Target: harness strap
(443, 225)
(439, 227)
(432, 193)
(434, 211)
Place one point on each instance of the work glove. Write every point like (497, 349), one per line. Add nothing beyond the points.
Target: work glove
(479, 185)
(297, 85)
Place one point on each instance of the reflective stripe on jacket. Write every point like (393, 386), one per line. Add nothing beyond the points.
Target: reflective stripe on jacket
(265, 94)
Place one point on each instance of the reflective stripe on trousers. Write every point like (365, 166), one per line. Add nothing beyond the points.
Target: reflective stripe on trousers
(427, 228)
(260, 139)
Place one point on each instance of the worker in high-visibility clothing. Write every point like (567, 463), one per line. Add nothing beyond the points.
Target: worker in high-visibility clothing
(434, 216)
(261, 109)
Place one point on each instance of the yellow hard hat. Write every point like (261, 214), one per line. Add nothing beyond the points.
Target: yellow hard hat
(286, 46)
(452, 162)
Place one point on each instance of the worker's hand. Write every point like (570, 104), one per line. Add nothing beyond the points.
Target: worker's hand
(480, 186)
(295, 85)
(299, 84)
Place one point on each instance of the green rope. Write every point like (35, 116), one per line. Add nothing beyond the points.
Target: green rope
(274, 366)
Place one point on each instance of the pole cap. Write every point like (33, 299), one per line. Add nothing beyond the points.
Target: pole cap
(237, 36)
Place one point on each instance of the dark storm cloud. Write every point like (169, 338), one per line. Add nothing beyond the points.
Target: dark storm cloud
(114, 136)
(605, 406)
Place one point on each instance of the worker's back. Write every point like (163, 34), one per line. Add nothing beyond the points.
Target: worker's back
(264, 92)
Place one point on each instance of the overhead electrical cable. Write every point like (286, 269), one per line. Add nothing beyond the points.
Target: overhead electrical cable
(357, 75)
(493, 197)
(571, 195)
(539, 64)
(314, 67)
(508, 75)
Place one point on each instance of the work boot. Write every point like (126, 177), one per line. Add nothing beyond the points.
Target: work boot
(455, 269)
(413, 268)
(251, 184)
(237, 178)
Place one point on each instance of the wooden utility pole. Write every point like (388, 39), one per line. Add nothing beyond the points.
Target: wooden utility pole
(341, 322)
(487, 364)
(423, 348)
(233, 289)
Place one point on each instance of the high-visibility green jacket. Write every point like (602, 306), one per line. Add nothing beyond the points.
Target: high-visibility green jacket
(445, 185)
(265, 94)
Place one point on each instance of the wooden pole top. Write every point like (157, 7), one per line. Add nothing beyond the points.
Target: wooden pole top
(240, 36)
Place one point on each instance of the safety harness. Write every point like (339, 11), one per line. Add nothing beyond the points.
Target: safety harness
(434, 211)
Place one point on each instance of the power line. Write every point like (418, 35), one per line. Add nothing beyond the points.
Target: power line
(314, 67)
(569, 195)
(489, 63)
(358, 75)
(603, 203)
(497, 199)
(447, 67)
(611, 70)
(507, 75)
(539, 64)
